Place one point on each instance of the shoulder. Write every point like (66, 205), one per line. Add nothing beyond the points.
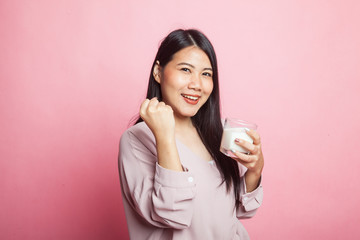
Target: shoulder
(138, 135)
(140, 130)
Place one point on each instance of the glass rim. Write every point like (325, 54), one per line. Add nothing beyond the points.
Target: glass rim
(242, 122)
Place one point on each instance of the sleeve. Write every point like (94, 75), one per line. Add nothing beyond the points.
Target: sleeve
(249, 202)
(162, 197)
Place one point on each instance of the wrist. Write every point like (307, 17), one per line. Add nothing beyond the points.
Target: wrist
(253, 176)
(252, 181)
(164, 139)
(255, 173)
(167, 153)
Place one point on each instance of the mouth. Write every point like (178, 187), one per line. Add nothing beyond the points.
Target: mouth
(191, 99)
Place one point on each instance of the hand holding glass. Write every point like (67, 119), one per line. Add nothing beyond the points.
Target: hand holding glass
(233, 129)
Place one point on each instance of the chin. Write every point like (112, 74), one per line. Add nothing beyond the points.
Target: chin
(188, 113)
(191, 114)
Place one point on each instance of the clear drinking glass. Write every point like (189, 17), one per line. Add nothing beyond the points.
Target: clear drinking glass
(235, 128)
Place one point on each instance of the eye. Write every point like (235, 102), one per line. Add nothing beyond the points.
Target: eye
(207, 74)
(185, 69)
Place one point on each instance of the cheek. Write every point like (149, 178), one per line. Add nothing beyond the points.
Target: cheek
(209, 87)
(171, 81)
(166, 83)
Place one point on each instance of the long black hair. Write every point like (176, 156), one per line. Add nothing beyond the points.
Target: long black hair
(207, 120)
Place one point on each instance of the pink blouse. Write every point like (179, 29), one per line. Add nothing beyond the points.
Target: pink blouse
(163, 204)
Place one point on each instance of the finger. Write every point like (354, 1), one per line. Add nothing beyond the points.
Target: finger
(168, 107)
(254, 135)
(143, 107)
(247, 145)
(154, 100)
(243, 157)
(161, 104)
(152, 104)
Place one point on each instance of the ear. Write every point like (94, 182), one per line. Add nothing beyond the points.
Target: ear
(157, 72)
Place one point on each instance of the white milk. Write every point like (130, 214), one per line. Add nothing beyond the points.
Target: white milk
(228, 140)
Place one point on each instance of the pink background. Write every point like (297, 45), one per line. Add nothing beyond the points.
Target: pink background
(73, 73)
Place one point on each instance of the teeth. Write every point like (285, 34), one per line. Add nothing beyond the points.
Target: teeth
(190, 97)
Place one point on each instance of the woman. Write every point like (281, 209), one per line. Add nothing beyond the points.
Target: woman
(176, 184)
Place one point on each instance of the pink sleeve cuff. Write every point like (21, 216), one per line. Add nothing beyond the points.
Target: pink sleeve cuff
(251, 200)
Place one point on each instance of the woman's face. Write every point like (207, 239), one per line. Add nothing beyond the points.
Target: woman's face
(186, 81)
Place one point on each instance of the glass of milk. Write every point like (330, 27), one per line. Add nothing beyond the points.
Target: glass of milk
(235, 128)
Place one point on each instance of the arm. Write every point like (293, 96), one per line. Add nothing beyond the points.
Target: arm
(160, 119)
(168, 156)
(250, 201)
(159, 190)
(251, 193)
(162, 197)
(254, 162)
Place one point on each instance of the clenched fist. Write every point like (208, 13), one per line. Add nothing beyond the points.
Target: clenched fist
(159, 117)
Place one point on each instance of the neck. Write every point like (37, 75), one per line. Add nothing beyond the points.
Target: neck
(183, 125)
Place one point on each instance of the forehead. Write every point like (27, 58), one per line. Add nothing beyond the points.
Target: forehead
(192, 55)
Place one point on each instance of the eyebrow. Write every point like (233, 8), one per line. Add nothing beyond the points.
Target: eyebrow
(192, 66)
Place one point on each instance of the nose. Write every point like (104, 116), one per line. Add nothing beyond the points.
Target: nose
(195, 82)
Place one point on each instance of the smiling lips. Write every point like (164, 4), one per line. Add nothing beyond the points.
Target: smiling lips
(191, 99)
